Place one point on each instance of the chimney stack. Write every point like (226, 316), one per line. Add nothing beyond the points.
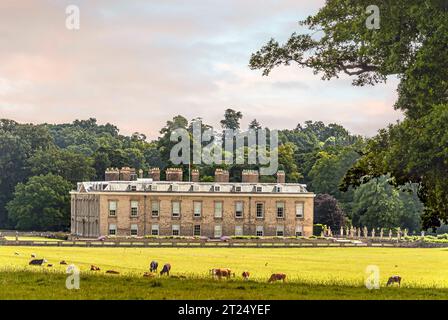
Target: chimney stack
(195, 175)
(154, 174)
(174, 174)
(133, 175)
(221, 175)
(125, 174)
(112, 174)
(281, 178)
(249, 176)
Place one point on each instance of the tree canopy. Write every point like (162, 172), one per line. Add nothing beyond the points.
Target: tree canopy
(411, 44)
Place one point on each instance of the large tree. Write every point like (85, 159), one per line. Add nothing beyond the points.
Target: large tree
(231, 119)
(378, 204)
(74, 167)
(327, 211)
(43, 203)
(411, 43)
(18, 142)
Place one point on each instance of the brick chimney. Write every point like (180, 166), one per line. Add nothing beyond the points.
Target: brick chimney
(249, 176)
(221, 175)
(112, 174)
(281, 178)
(133, 175)
(195, 175)
(125, 174)
(174, 174)
(154, 174)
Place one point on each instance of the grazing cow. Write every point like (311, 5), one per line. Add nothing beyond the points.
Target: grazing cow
(33, 255)
(153, 266)
(37, 262)
(166, 269)
(219, 273)
(16, 253)
(112, 272)
(63, 262)
(277, 276)
(148, 275)
(394, 279)
(94, 268)
(246, 275)
(49, 265)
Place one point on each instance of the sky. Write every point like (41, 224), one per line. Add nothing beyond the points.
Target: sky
(138, 63)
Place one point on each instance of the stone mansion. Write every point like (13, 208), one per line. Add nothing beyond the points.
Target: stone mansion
(126, 204)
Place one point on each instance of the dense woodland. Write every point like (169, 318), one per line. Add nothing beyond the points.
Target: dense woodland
(40, 164)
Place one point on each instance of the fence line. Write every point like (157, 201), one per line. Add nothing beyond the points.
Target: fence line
(165, 243)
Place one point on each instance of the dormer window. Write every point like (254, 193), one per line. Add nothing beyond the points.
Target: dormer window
(133, 187)
(196, 188)
(278, 188)
(216, 188)
(237, 188)
(174, 187)
(259, 189)
(153, 187)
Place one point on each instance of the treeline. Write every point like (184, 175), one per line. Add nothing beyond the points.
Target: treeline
(40, 164)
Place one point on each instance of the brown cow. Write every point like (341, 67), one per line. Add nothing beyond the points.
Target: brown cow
(394, 279)
(222, 272)
(94, 268)
(246, 275)
(112, 272)
(63, 262)
(277, 277)
(49, 265)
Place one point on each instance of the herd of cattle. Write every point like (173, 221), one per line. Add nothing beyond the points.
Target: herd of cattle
(217, 273)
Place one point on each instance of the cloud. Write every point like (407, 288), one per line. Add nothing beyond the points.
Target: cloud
(137, 64)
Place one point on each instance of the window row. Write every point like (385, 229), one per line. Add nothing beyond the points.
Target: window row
(218, 209)
(175, 230)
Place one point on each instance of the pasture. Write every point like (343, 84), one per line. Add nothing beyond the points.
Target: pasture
(312, 273)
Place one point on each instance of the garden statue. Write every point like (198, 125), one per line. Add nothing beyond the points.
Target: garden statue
(381, 233)
(390, 233)
(373, 233)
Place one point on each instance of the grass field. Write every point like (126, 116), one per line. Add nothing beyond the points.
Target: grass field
(313, 273)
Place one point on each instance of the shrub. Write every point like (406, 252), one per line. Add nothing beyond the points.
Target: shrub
(318, 229)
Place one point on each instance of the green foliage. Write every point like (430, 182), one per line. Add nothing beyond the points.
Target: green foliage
(328, 212)
(410, 44)
(73, 167)
(380, 205)
(318, 229)
(231, 119)
(43, 203)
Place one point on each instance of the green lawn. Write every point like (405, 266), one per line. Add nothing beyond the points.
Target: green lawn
(313, 273)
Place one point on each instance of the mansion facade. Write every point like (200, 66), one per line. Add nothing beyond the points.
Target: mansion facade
(126, 204)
